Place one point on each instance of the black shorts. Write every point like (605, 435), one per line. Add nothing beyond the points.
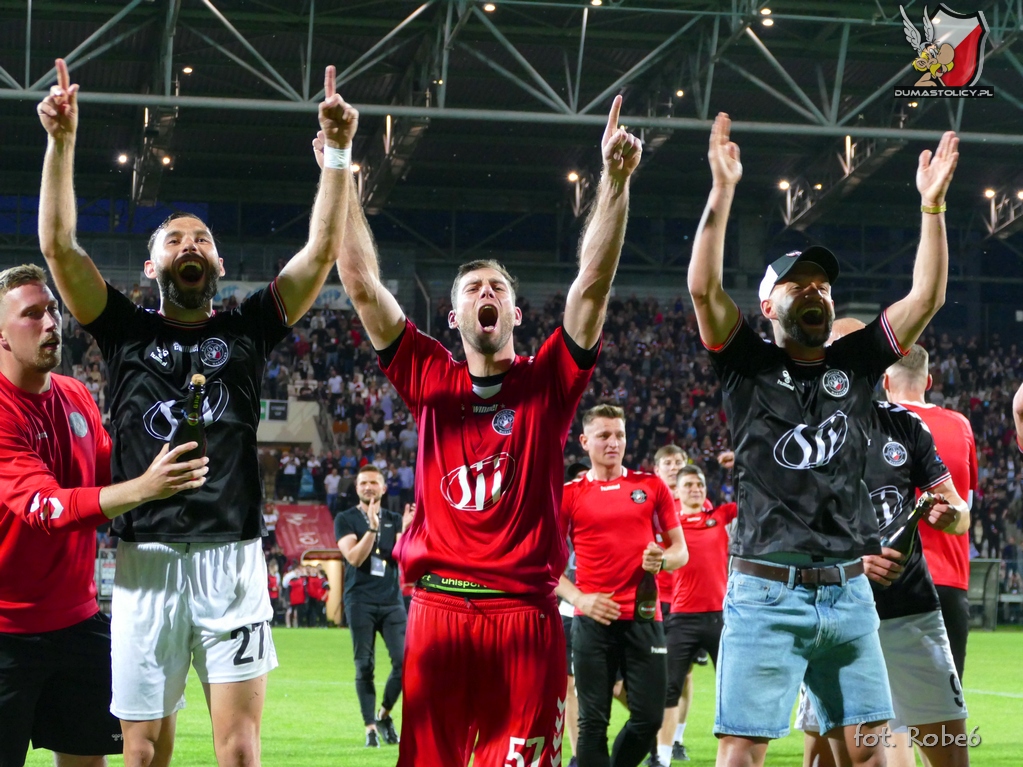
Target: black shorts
(55, 692)
(566, 622)
(955, 611)
(687, 634)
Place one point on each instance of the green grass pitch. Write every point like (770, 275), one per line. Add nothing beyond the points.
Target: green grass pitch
(312, 716)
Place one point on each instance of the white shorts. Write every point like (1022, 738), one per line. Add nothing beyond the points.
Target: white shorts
(925, 687)
(173, 604)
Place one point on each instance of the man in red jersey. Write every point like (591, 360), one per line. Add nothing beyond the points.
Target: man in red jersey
(54, 642)
(696, 607)
(948, 556)
(485, 546)
(611, 516)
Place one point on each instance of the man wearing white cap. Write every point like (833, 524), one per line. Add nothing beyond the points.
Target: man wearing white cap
(798, 607)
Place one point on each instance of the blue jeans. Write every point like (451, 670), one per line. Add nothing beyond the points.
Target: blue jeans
(776, 637)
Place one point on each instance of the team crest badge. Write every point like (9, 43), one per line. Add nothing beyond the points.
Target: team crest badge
(711, 522)
(503, 421)
(78, 424)
(213, 352)
(638, 496)
(836, 383)
(895, 453)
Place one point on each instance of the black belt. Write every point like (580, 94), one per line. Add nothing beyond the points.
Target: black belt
(804, 576)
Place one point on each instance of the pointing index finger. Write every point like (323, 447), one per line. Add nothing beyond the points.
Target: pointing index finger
(612, 117)
(329, 88)
(63, 78)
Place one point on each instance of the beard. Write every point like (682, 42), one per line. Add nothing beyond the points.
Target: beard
(46, 361)
(485, 343)
(806, 336)
(188, 298)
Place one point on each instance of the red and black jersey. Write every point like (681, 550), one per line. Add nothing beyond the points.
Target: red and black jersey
(610, 524)
(700, 585)
(666, 579)
(55, 454)
(490, 463)
(948, 556)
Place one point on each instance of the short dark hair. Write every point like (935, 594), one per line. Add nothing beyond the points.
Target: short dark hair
(670, 450)
(482, 263)
(688, 470)
(369, 467)
(166, 222)
(602, 411)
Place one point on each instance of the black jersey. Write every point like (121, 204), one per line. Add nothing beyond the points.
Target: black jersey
(150, 360)
(902, 459)
(799, 433)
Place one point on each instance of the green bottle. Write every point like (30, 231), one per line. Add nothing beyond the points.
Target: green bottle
(902, 533)
(192, 428)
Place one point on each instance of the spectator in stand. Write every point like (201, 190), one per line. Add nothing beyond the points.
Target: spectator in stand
(295, 586)
(393, 489)
(330, 486)
(270, 519)
(288, 477)
(317, 588)
(407, 479)
(273, 584)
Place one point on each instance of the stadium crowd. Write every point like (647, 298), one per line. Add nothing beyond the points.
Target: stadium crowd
(652, 364)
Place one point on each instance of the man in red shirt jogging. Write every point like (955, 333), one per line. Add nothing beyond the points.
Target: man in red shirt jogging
(485, 546)
(611, 516)
(948, 556)
(54, 642)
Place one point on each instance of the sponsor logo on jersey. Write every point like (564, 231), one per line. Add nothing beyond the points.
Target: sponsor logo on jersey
(659, 650)
(213, 352)
(786, 381)
(808, 447)
(605, 488)
(78, 424)
(48, 508)
(887, 502)
(162, 357)
(894, 453)
(638, 496)
(836, 383)
(503, 422)
(162, 418)
(482, 409)
(479, 486)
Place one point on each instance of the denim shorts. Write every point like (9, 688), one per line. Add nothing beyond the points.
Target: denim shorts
(776, 637)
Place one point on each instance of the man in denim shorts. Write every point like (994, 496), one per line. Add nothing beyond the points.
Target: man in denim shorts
(798, 608)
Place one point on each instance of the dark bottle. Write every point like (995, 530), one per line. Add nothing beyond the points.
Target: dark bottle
(192, 428)
(646, 598)
(901, 533)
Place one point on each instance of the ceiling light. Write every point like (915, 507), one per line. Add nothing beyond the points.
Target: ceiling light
(783, 185)
(680, 93)
(573, 176)
(818, 187)
(489, 7)
(1019, 194)
(989, 193)
(596, 2)
(765, 11)
(122, 158)
(356, 167)
(187, 70)
(768, 22)
(166, 160)
(913, 104)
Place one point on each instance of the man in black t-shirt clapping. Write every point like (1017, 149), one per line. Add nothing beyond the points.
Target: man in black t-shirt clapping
(798, 606)
(366, 535)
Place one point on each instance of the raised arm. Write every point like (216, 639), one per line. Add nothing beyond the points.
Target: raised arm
(303, 276)
(910, 316)
(716, 313)
(77, 279)
(601, 244)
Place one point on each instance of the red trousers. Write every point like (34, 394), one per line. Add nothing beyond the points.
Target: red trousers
(486, 676)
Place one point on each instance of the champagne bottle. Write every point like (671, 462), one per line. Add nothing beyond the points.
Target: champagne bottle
(901, 533)
(646, 598)
(192, 428)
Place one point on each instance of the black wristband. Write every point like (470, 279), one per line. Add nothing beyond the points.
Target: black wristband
(374, 531)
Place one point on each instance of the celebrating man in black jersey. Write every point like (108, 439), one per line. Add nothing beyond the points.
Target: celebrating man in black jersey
(926, 691)
(191, 578)
(798, 606)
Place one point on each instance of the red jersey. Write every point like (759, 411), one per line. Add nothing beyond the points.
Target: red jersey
(296, 586)
(317, 588)
(666, 579)
(55, 453)
(490, 463)
(273, 585)
(610, 523)
(700, 585)
(948, 556)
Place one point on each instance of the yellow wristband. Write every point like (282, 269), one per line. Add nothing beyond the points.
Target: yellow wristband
(932, 208)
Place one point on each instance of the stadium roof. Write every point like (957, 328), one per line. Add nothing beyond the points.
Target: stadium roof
(465, 109)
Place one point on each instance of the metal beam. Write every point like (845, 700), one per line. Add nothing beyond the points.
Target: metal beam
(540, 118)
(95, 52)
(511, 76)
(167, 44)
(251, 49)
(309, 52)
(530, 70)
(705, 106)
(579, 62)
(769, 89)
(28, 43)
(241, 62)
(6, 77)
(885, 89)
(800, 94)
(836, 94)
(641, 66)
(86, 43)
